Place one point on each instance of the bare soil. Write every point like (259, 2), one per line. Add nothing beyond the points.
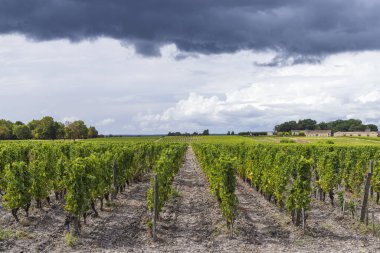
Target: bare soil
(119, 227)
(326, 229)
(190, 222)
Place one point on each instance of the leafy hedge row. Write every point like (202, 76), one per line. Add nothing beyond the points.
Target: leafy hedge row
(166, 168)
(290, 174)
(220, 171)
(79, 172)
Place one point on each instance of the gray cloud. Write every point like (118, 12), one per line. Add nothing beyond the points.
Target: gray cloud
(291, 59)
(301, 30)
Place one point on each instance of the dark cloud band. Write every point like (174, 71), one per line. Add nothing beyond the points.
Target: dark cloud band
(300, 28)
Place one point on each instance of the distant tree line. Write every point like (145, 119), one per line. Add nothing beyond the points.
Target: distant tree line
(205, 132)
(249, 133)
(349, 125)
(45, 129)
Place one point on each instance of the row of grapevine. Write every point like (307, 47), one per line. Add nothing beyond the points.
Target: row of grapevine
(81, 172)
(220, 171)
(290, 174)
(166, 168)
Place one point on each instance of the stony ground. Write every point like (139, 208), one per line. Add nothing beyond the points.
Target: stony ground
(190, 222)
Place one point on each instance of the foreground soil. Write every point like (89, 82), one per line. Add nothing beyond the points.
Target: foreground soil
(190, 222)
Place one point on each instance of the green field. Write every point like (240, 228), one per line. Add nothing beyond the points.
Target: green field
(137, 139)
(227, 139)
(322, 140)
(224, 139)
(132, 139)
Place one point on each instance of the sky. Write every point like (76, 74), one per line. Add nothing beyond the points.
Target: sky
(149, 67)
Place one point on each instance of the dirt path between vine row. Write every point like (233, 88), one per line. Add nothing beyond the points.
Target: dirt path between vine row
(190, 222)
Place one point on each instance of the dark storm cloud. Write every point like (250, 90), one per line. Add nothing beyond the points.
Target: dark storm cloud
(302, 29)
(287, 59)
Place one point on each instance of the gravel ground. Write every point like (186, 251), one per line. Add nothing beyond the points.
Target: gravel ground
(326, 230)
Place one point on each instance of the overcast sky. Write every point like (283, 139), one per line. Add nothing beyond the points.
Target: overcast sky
(148, 66)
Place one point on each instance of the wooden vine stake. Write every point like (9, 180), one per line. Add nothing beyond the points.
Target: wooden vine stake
(303, 219)
(155, 206)
(373, 222)
(344, 205)
(366, 193)
(367, 218)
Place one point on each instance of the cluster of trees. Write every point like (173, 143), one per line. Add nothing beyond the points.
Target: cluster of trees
(205, 132)
(253, 133)
(45, 129)
(231, 133)
(335, 126)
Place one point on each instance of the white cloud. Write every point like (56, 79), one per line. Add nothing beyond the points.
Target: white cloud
(256, 107)
(373, 96)
(109, 86)
(106, 122)
(69, 119)
(261, 106)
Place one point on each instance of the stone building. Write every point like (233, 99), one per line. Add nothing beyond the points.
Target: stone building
(312, 133)
(318, 133)
(357, 134)
(296, 132)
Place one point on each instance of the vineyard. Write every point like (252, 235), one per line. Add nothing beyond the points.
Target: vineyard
(88, 185)
(292, 175)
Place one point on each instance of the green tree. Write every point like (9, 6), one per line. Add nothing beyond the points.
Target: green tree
(5, 129)
(323, 126)
(307, 124)
(92, 132)
(372, 127)
(287, 126)
(76, 130)
(22, 132)
(18, 123)
(45, 129)
(60, 130)
(32, 126)
(346, 125)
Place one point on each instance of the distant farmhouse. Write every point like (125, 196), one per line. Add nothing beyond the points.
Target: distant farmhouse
(318, 133)
(366, 133)
(297, 132)
(328, 133)
(312, 133)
